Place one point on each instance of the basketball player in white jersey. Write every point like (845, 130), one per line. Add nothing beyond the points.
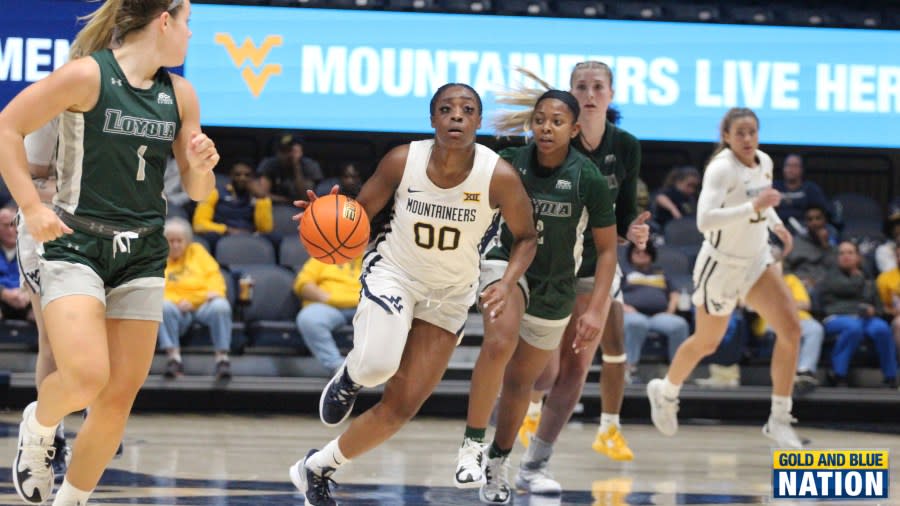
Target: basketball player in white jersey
(40, 147)
(420, 277)
(735, 213)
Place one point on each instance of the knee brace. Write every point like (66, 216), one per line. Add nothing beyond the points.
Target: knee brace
(614, 359)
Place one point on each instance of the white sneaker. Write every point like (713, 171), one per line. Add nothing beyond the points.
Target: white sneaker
(469, 465)
(779, 429)
(496, 489)
(535, 478)
(663, 411)
(32, 471)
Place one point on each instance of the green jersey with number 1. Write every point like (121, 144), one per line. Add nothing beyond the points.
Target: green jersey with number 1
(111, 159)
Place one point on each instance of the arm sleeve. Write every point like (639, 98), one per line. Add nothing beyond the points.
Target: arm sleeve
(710, 213)
(203, 215)
(772, 218)
(40, 144)
(262, 215)
(597, 198)
(626, 201)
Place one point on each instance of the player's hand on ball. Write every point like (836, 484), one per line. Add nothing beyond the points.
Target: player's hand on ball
(310, 198)
(201, 153)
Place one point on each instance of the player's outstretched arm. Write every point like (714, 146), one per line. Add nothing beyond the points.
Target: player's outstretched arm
(508, 193)
(378, 189)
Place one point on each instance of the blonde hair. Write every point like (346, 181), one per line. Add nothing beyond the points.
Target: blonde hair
(115, 19)
(516, 122)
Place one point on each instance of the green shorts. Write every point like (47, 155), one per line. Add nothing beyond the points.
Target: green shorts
(126, 274)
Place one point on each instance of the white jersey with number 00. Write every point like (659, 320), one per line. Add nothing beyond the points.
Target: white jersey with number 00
(436, 235)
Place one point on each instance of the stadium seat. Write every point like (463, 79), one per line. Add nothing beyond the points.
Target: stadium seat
(269, 318)
(244, 249)
(683, 232)
(673, 261)
(284, 224)
(292, 254)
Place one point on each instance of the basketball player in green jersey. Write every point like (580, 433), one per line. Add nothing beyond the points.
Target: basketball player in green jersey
(617, 154)
(104, 249)
(570, 198)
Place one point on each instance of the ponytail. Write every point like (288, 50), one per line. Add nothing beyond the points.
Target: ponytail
(515, 122)
(98, 33)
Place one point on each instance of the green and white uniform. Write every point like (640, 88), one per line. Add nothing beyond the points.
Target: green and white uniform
(568, 202)
(110, 166)
(619, 159)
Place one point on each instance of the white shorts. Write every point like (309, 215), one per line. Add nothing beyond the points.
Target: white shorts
(28, 257)
(138, 299)
(721, 281)
(538, 332)
(586, 285)
(388, 304)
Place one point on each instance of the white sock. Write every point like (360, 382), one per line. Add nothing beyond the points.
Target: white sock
(781, 405)
(36, 428)
(670, 390)
(328, 457)
(534, 408)
(607, 419)
(538, 450)
(71, 496)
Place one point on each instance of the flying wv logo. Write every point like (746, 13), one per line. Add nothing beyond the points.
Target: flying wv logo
(257, 55)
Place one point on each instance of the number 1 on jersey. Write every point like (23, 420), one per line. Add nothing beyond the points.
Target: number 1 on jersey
(142, 164)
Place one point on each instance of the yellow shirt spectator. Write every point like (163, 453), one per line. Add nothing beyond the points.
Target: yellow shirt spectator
(888, 284)
(340, 282)
(193, 277)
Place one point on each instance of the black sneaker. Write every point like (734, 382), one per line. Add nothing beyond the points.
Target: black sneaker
(804, 383)
(338, 398)
(223, 370)
(60, 461)
(174, 369)
(316, 488)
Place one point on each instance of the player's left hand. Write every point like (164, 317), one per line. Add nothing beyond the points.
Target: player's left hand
(201, 153)
(311, 197)
(639, 231)
(493, 299)
(784, 235)
(587, 330)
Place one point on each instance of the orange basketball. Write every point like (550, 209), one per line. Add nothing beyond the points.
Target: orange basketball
(334, 229)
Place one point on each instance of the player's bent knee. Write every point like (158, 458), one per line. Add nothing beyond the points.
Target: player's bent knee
(370, 373)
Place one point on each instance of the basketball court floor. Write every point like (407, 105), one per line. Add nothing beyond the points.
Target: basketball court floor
(227, 460)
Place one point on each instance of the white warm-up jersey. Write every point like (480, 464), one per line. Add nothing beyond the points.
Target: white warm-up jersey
(725, 212)
(435, 235)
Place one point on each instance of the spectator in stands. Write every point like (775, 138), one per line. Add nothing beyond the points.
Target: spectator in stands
(240, 206)
(798, 194)
(852, 307)
(195, 291)
(814, 252)
(678, 197)
(15, 303)
(812, 334)
(885, 254)
(650, 304)
(288, 174)
(330, 294)
(888, 285)
(348, 178)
